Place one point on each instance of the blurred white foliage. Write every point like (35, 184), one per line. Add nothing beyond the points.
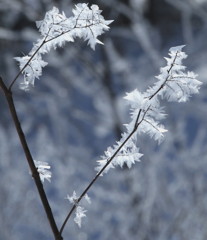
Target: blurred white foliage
(138, 4)
(56, 29)
(174, 84)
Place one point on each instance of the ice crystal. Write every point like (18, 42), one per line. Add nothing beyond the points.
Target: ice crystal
(43, 170)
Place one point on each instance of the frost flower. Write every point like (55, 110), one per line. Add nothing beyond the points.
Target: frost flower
(79, 214)
(43, 170)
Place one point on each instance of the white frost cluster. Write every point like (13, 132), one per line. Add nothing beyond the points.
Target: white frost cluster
(56, 29)
(79, 214)
(43, 170)
(73, 198)
(129, 154)
(79, 211)
(32, 70)
(174, 84)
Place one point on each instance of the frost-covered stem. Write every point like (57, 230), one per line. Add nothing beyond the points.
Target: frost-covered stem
(37, 50)
(136, 125)
(35, 174)
(167, 78)
(75, 27)
(19, 73)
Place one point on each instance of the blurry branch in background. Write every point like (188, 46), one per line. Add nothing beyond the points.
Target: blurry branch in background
(138, 27)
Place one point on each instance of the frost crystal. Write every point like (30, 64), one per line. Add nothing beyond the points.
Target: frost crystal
(174, 84)
(79, 211)
(129, 154)
(42, 168)
(87, 198)
(79, 214)
(32, 70)
(56, 29)
(72, 199)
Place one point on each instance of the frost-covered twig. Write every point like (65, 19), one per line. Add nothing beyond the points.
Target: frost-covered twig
(56, 29)
(174, 84)
(80, 211)
(24, 63)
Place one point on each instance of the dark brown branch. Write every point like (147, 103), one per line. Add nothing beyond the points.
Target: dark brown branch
(35, 174)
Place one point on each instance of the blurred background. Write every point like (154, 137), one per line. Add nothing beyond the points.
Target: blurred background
(76, 110)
